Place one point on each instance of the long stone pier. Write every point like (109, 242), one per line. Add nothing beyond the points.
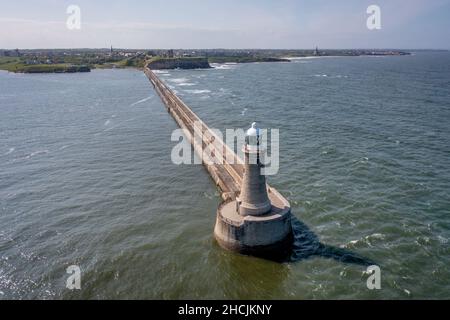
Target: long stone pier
(228, 177)
(247, 234)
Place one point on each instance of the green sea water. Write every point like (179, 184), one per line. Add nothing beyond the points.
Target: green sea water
(86, 179)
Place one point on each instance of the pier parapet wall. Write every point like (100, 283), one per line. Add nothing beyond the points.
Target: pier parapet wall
(227, 177)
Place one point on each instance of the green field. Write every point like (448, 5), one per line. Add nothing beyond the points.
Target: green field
(13, 64)
(87, 62)
(10, 63)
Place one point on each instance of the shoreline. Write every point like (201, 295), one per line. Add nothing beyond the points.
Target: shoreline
(182, 63)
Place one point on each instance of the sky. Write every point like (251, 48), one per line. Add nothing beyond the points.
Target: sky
(282, 24)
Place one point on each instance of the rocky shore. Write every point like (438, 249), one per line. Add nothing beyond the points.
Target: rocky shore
(179, 63)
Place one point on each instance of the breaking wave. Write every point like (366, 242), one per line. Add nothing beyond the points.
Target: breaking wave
(140, 101)
(198, 91)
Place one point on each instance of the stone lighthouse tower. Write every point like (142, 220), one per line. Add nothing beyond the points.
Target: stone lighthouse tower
(258, 222)
(253, 199)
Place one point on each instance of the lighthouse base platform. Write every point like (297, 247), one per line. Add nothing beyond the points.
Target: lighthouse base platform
(268, 236)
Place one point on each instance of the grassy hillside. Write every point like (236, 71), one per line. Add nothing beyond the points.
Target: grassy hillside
(13, 64)
(10, 63)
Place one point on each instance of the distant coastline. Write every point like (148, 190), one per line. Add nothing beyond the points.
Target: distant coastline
(84, 60)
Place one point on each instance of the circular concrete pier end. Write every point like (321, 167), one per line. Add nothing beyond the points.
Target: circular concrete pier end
(267, 236)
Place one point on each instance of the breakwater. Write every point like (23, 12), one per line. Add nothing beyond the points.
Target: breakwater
(267, 233)
(227, 176)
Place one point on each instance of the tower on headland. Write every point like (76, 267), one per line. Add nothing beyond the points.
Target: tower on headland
(316, 51)
(258, 222)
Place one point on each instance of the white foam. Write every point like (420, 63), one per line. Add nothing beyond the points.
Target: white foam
(11, 150)
(330, 76)
(179, 80)
(140, 101)
(223, 66)
(207, 195)
(36, 153)
(365, 240)
(161, 71)
(109, 129)
(375, 236)
(442, 239)
(198, 91)
(353, 242)
(107, 122)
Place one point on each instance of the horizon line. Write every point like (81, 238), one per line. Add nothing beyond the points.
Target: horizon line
(218, 48)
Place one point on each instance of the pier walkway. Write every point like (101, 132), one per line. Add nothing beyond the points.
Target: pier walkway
(228, 177)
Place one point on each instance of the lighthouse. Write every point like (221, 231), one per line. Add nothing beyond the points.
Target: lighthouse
(253, 199)
(258, 221)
